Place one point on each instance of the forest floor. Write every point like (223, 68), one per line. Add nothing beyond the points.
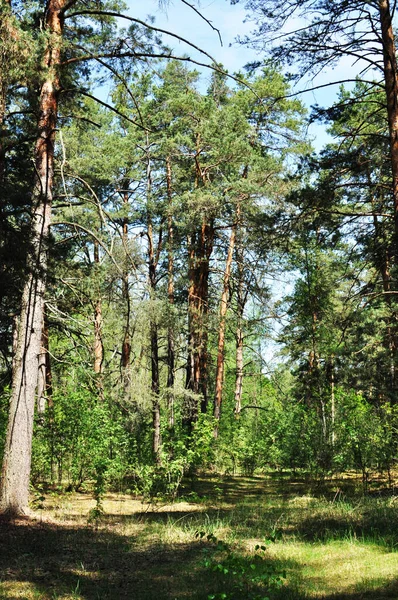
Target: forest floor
(322, 540)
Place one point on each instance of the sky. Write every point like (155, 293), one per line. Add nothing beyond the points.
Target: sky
(231, 21)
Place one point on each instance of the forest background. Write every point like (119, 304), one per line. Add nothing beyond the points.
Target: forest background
(142, 246)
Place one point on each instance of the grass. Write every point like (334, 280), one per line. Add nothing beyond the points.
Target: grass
(332, 542)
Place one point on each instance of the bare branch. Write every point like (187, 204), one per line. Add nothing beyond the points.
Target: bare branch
(204, 18)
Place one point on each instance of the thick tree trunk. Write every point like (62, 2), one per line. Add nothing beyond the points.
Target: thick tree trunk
(200, 250)
(391, 86)
(170, 295)
(221, 331)
(14, 491)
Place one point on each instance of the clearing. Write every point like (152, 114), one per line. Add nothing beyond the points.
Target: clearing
(322, 541)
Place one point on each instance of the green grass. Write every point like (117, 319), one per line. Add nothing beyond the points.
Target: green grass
(330, 541)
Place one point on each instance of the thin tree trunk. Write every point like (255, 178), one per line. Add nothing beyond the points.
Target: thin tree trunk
(5, 11)
(239, 368)
(14, 491)
(190, 409)
(241, 297)
(206, 249)
(240, 307)
(98, 348)
(221, 331)
(3, 95)
(332, 404)
(153, 262)
(44, 385)
(126, 345)
(383, 266)
(156, 441)
(15, 330)
(170, 295)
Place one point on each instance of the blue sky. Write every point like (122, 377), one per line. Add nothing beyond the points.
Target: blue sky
(231, 21)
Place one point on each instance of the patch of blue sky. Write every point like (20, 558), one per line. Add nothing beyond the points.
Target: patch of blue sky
(231, 21)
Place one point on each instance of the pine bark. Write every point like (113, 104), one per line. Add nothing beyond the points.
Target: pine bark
(221, 331)
(98, 348)
(391, 87)
(200, 250)
(14, 491)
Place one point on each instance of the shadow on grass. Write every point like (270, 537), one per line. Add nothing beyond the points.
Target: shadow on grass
(83, 563)
(337, 511)
(374, 527)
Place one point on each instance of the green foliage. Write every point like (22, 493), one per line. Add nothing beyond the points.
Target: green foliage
(240, 576)
(80, 439)
(365, 434)
(101, 468)
(158, 482)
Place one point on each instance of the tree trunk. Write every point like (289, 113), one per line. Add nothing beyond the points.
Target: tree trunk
(190, 411)
(170, 295)
(241, 297)
(206, 249)
(14, 491)
(391, 86)
(98, 348)
(126, 345)
(221, 331)
(5, 10)
(44, 385)
(332, 404)
(153, 258)
(3, 96)
(156, 440)
(200, 250)
(383, 258)
(239, 368)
